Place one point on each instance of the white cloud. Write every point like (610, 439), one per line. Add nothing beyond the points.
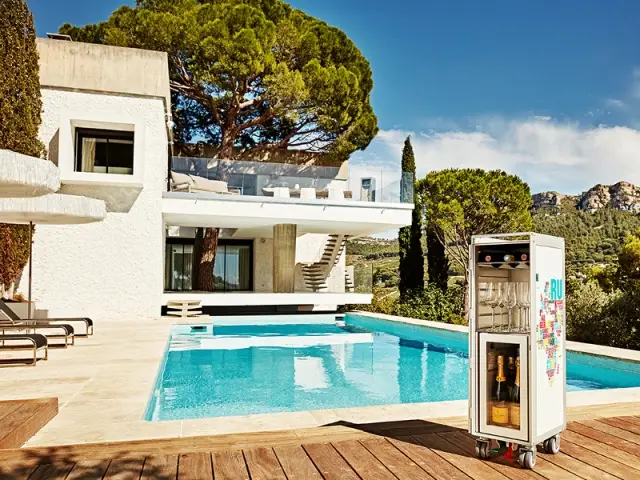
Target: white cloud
(635, 83)
(547, 155)
(614, 103)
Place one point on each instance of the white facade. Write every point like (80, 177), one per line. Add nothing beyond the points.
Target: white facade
(116, 269)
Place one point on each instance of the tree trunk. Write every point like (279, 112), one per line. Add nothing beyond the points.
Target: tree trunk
(206, 257)
(198, 244)
(226, 146)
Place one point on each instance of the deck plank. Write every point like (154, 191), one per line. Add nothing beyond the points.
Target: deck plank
(396, 461)
(606, 438)
(195, 466)
(598, 461)
(331, 465)
(263, 464)
(296, 463)
(553, 472)
(21, 423)
(601, 448)
(51, 471)
(125, 468)
(471, 466)
(612, 430)
(508, 468)
(430, 462)
(621, 422)
(161, 467)
(89, 469)
(229, 465)
(362, 461)
(23, 468)
(573, 465)
(8, 407)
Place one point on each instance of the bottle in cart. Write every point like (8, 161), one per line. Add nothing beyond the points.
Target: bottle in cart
(511, 375)
(500, 407)
(514, 407)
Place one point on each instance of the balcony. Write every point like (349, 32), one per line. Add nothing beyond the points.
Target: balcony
(252, 197)
(284, 180)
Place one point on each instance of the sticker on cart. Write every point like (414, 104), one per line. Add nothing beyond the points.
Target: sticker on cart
(549, 329)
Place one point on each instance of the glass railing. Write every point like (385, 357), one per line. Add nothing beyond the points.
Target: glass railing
(306, 182)
(359, 278)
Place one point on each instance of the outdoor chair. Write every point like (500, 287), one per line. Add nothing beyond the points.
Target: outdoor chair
(308, 193)
(13, 321)
(336, 194)
(11, 315)
(25, 341)
(183, 182)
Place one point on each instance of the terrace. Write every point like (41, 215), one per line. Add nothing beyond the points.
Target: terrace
(102, 386)
(255, 196)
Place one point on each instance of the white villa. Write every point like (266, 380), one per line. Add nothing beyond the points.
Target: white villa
(107, 125)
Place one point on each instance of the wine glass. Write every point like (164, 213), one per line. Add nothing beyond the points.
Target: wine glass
(487, 296)
(510, 300)
(501, 293)
(524, 299)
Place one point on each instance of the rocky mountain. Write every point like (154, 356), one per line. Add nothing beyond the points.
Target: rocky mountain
(623, 196)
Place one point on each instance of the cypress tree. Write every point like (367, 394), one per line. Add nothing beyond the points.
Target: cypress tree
(437, 262)
(411, 259)
(20, 107)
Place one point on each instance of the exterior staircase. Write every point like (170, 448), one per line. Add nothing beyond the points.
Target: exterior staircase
(315, 274)
(349, 285)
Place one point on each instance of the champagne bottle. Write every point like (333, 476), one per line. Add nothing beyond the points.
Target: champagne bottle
(500, 409)
(511, 375)
(514, 409)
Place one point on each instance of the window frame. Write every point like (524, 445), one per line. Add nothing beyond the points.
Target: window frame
(221, 242)
(103, 134)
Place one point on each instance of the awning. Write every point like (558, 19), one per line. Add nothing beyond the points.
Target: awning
(24, 176)
(53, 209)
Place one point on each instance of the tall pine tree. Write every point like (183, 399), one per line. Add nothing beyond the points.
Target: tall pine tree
(20, 107)
(411, 259)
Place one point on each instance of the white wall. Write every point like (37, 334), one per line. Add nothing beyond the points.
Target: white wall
(113, 269)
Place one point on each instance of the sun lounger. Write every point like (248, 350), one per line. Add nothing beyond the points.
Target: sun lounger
(26, 341)
(62, 331)
(14, 318)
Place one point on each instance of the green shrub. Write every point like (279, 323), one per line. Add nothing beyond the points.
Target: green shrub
(432, 304)
(586, 306)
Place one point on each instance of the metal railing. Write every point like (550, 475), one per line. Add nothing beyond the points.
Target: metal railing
(307, 182)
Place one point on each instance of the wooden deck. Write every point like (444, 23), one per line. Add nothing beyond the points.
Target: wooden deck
(21, 419)
(602, 448)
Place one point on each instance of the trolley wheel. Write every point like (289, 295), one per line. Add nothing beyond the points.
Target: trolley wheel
(527, 459)
(482, 449)
(552, 445)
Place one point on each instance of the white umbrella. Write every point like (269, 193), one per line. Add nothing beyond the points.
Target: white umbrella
(54, 209)
(24, 176)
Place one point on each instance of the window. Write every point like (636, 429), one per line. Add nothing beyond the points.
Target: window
(104, 151)
(178, 265)
(232, 271)
(232, 268)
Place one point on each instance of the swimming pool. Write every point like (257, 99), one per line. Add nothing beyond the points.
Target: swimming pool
(248, 365)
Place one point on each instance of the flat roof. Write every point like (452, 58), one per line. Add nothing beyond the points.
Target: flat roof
(103, 68)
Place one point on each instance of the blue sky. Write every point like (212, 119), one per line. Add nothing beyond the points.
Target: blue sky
(549, 90)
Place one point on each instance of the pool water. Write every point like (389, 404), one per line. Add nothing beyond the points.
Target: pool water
(270, 364)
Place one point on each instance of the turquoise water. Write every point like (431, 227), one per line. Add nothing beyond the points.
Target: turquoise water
(262, 365)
